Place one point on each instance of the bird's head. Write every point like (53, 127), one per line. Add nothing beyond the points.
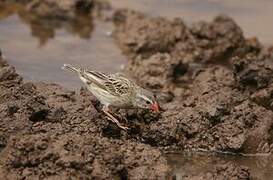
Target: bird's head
(146, 100)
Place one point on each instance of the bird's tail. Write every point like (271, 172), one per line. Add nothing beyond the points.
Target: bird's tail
(71, 68)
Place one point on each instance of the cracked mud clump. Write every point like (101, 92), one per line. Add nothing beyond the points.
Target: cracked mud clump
(47, 131)
(220, 81)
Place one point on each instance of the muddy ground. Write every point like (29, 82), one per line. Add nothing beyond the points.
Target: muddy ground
(215, 88)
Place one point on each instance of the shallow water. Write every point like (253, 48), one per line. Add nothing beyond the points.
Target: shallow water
(197, 163)
(38, 49)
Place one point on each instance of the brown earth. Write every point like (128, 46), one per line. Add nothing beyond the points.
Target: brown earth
(49, 132)
(218, 83)
(221, 83)
(215, 88)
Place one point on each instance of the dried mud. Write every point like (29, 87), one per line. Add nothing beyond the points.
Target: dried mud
(50, 132)
(218, 83)
(215, 89)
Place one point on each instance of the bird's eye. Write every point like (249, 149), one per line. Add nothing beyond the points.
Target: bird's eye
(147, 102)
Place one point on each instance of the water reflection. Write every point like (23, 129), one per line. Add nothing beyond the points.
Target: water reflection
(38, 46)
(43, 28)
(198, 164)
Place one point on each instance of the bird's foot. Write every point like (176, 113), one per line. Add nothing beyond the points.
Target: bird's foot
(113, 119)
(120, 117)
(118, 124)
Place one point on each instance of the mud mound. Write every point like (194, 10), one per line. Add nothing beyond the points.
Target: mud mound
(184, 48)
(220, 81)
(49, 132)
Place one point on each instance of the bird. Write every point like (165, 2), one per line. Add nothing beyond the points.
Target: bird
(115, 90)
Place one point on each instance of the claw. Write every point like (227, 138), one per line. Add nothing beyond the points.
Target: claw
(113, 119)
(119, 125)
(265, 148)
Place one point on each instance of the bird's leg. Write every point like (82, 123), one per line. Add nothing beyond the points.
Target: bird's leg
(120, 117)
(105, 109)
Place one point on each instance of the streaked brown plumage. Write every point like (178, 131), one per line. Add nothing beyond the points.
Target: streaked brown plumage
(115, 90)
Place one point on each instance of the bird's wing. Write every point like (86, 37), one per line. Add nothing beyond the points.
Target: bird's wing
(120, 84)
(115, 84)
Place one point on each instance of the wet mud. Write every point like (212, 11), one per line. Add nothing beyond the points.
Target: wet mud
(215, 90)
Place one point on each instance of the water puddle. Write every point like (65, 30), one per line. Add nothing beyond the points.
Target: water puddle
(39, 47)
(196, 164)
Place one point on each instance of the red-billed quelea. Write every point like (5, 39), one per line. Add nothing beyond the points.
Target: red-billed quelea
(115, 90)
